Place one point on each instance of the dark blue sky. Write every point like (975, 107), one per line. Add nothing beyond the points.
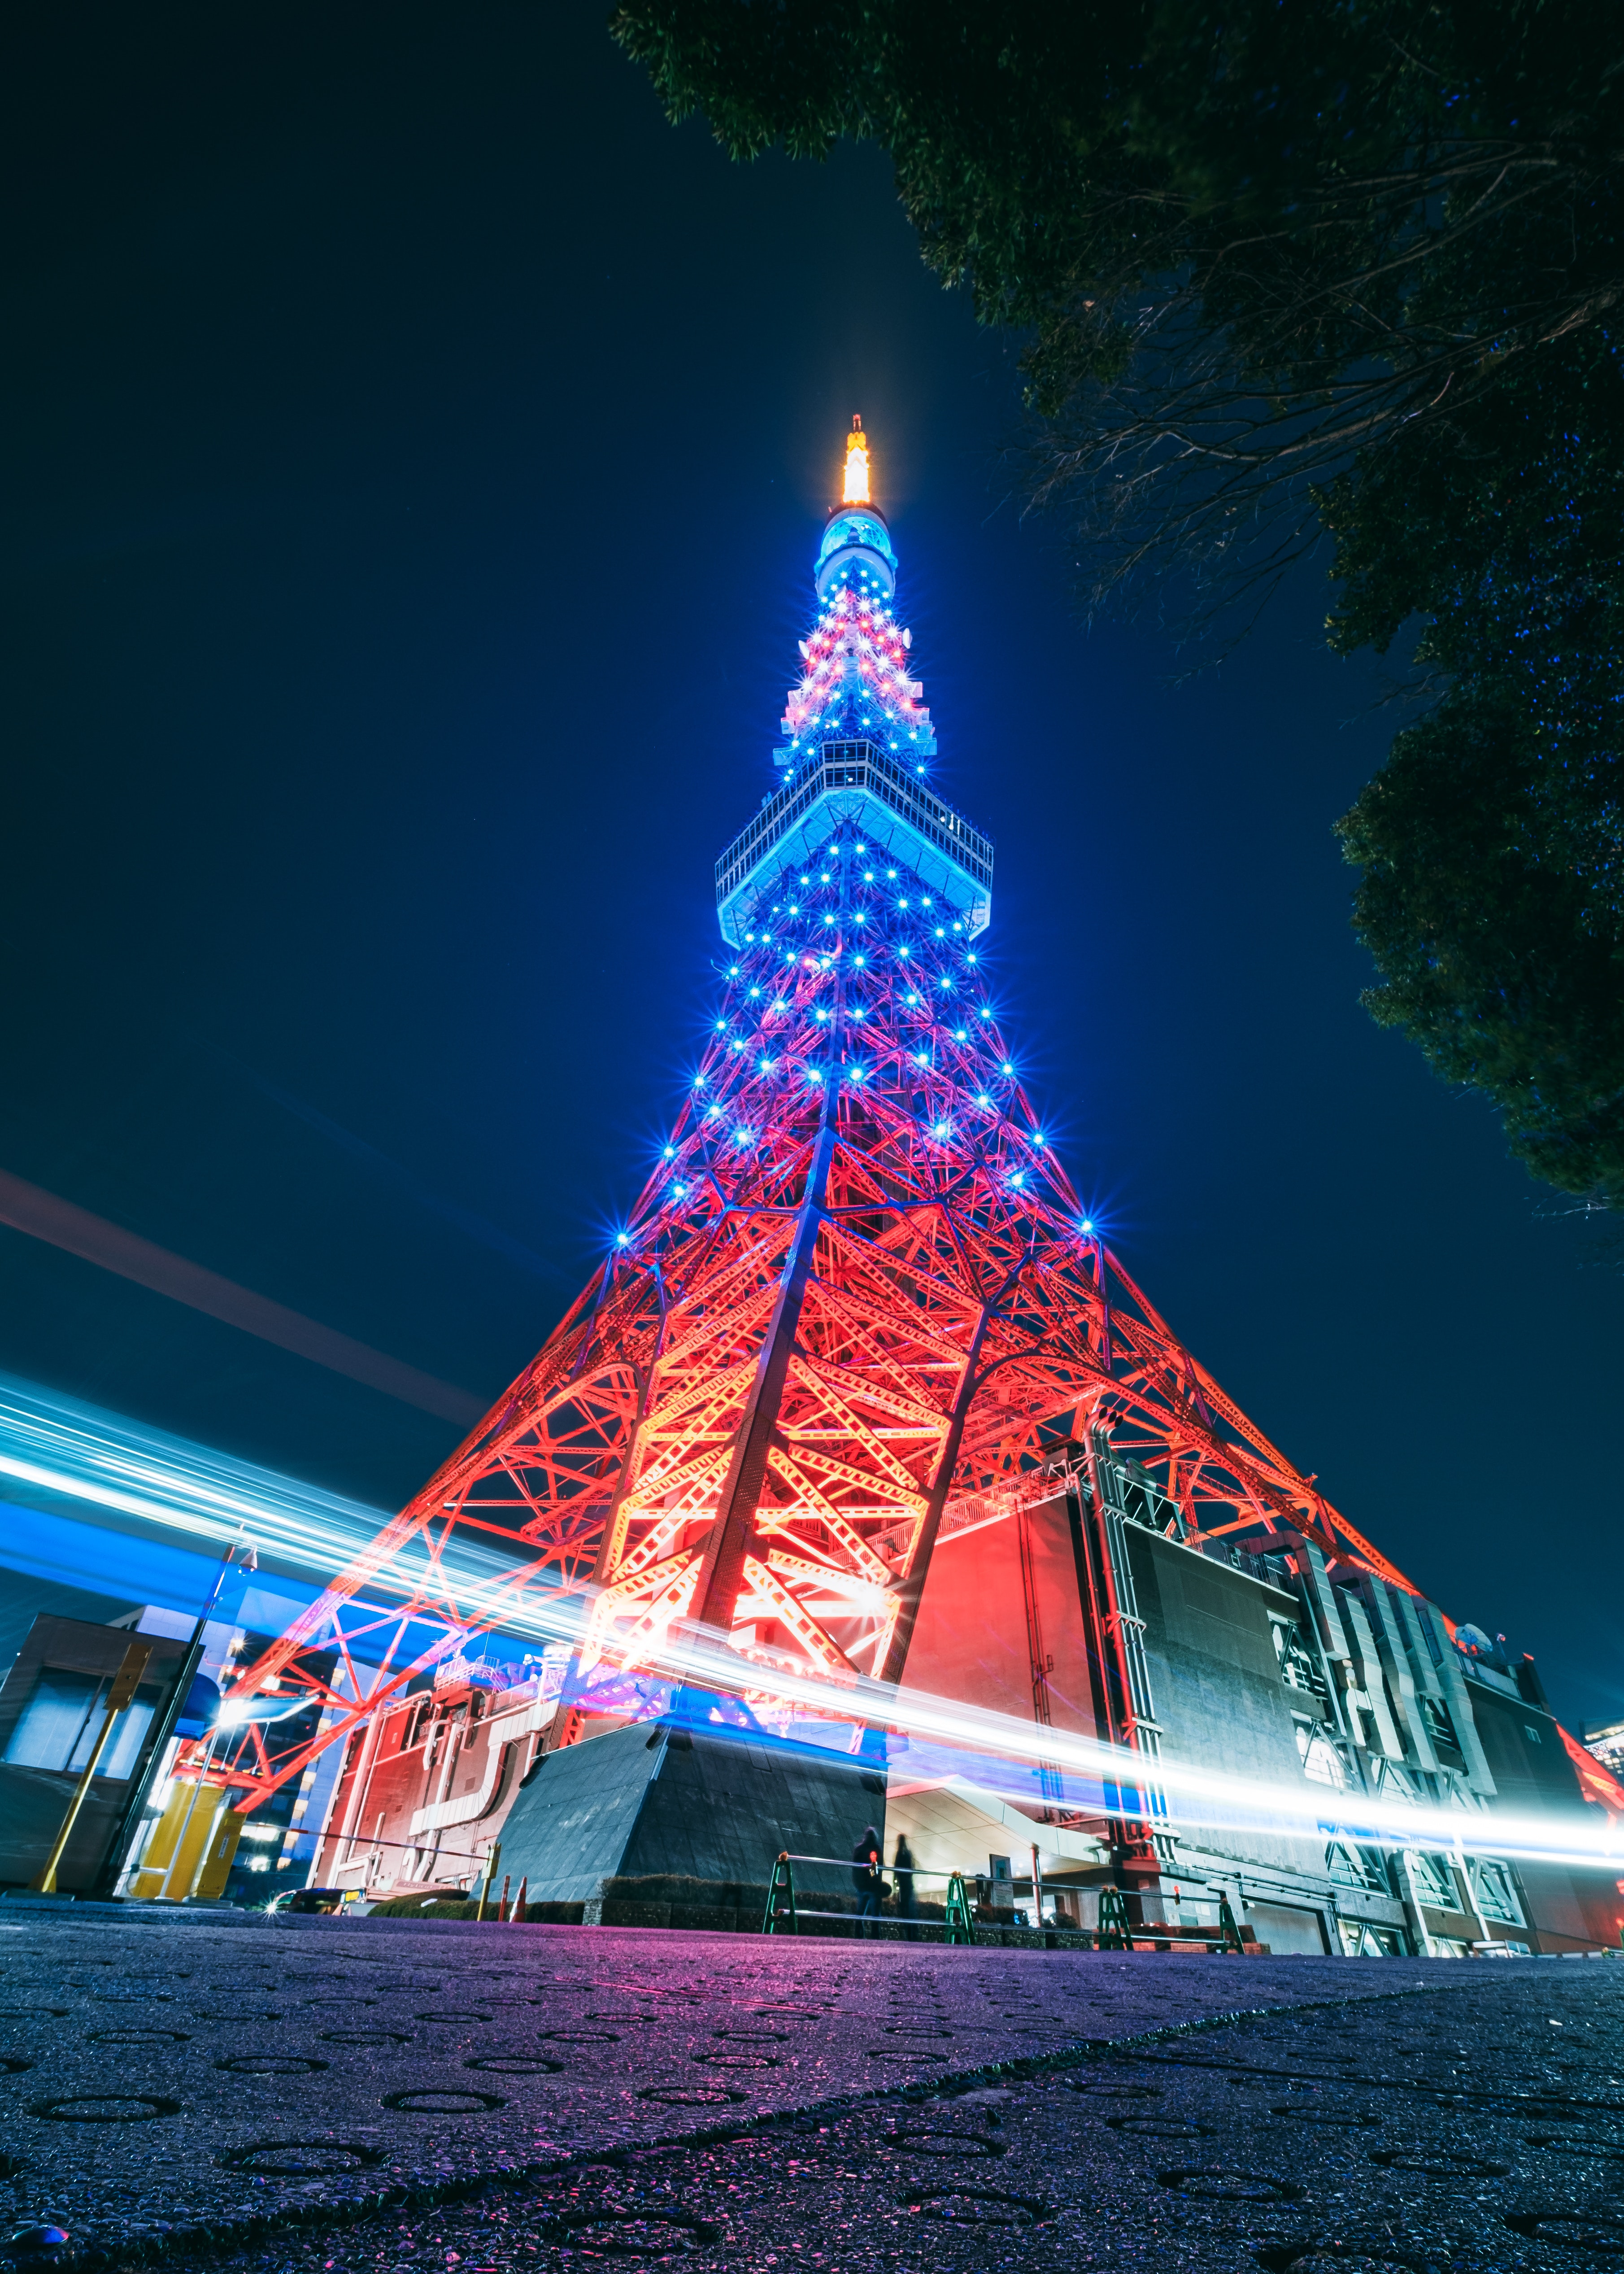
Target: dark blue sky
(414, 453)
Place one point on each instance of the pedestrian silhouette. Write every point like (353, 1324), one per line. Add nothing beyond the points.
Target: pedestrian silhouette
(869, 1881)
(902, 1867)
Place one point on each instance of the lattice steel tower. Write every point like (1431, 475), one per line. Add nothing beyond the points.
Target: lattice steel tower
(857, 1301)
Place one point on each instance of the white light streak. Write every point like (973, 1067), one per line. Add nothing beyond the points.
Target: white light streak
(55, 1445)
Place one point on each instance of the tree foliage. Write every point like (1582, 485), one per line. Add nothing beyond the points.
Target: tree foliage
(1293, 265)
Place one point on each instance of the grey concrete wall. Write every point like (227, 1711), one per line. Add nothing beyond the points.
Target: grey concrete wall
(646, 1800)
(1216, 1683)
(1533, 1775)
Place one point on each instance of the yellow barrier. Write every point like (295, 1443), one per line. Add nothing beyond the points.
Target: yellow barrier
(193, 1846)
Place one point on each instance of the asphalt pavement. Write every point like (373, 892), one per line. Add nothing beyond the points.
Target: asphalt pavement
(319, 2096)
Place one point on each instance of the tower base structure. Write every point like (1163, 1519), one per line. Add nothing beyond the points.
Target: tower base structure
(651, 1799)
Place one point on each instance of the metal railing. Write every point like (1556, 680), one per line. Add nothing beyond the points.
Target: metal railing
(857, 765)
(785, 1910)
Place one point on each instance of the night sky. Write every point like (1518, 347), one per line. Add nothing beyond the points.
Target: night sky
(415, 450)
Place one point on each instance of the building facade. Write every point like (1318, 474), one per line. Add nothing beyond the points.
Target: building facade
(1253, 1665)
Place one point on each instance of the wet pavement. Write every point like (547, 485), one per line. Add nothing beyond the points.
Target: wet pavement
(312, 2097)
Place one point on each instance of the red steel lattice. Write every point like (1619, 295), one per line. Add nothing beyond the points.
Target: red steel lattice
(857, 1300)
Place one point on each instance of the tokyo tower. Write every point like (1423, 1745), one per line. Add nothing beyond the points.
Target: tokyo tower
(856, 1307)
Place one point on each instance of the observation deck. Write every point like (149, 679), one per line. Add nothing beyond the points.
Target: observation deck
(855, 780)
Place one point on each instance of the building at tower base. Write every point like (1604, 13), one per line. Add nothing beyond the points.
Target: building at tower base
(1256, 1666)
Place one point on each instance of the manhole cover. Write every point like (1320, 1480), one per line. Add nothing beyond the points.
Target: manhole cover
(269, 2065)
(979, 2207)
(106, 2108)
(433, 2102)
(515, 2065)
(1212, 2183)
(301, 2160)
(1599, 2232)
(926, 2142)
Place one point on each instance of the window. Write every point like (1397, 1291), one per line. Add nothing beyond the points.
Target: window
(1440, 1728)
(1298, 1668)
(1496, 1897)
(1434, 1880)
(1349, 1865)
(63, 1719)
(1391, 1779)
(1361, 1939)
(1321, 1761)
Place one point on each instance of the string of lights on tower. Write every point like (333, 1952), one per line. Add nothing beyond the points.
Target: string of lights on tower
(857, 1305)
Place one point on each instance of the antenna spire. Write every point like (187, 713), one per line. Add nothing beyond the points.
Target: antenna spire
(856, 491)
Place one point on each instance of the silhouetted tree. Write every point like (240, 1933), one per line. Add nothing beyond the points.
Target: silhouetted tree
(1343, 265)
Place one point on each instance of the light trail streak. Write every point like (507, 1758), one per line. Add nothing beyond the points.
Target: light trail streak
(64, 1448)
(1212, 1798)
(89, 1455)
(44, 1216)
(59, 1445)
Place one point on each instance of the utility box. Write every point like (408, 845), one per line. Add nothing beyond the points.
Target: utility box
(51, 1706)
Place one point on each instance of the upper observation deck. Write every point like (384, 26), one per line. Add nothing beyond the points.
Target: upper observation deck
(854, 779)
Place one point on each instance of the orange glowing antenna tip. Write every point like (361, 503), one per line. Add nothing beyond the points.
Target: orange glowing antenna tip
(856, 491)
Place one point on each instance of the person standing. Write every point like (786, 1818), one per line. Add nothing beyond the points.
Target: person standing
(869, 1881)
(902, 1871)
